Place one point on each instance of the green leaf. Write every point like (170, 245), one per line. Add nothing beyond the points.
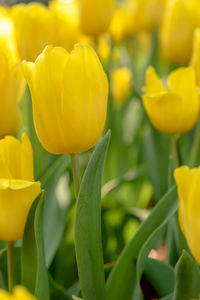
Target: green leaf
(157, 160)
(160, 275)
(88, 242)
(122, 279)
(54, 215)
(57, 291)
(187, 278)
(34, 273)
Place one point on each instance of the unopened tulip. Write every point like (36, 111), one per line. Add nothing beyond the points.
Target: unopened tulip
(95, 16)
(17, 187)
(121, 84)
(66, 23)
(174, 109)
(34, 28)
(180, 19)
(69, 94)
(188, 181)
(7, 37)
(19, 293)
(11, 89)
(195, 60)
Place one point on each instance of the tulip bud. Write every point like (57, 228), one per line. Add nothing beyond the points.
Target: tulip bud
(11, 88)
(174, 109)
(17, 187)
(7, 37)
(69, 94)
(34, 28)
(19, 293)
(66, 23)
(121, 84)
(188, 181)
(180, 19)
(195, 60)
(95, 16)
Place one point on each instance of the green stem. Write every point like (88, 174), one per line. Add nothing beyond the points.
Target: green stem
(174, 150)
(11, 266)
(194, 158)
(75, 173)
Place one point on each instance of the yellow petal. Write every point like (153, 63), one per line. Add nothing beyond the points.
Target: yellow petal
(95, 16)
(84, 99)
(45, 79)
(164, 111)
(34, 28)
(66, 23)
(15, 202)
(154, 84)
(189, 207)
(16, 158)
(195, 60)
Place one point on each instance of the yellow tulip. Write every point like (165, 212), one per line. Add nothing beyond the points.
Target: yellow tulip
(180, 19)
(19, 293)
(173, 110)
(7, 37)
(188, 181)
(95, 16)
(69, 94)
(66, 23)
(195, 60)
(11, 88)
(121, 84)
(121, 25)
(17, 187)
(34, 28)
(104, 48)
(146, 14)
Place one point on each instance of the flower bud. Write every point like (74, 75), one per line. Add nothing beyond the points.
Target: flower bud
(17, 187)
(174, 109)
(188, 181)
(121, 84)
(95, 16)
(34, 28)
(69, 94)
(11, 89)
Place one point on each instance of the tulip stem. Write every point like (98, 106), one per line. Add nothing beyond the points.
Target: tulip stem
(174, 150)
(11, 265)
(75, 173)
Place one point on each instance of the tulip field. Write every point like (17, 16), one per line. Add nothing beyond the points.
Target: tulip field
(100, 150)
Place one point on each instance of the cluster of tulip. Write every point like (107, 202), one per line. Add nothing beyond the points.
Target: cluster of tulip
(60, 51)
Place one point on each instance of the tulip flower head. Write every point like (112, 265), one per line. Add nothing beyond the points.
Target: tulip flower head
(95, 16)
(121, 84)
(12, 86)
(17, 187)
(69, 94)
(19, 293)
(175, 109)
(195, 60)
(7, 37)
(188, 181)
(66, 23)
(180, 19)
(34, 28)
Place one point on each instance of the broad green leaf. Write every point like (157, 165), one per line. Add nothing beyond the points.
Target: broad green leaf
(157, 160)
(54, 215)
(168, 297)
(88, 242)
(122, 279)
(34, 273)
(160, 275)
(187, 278)
(148, 245)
